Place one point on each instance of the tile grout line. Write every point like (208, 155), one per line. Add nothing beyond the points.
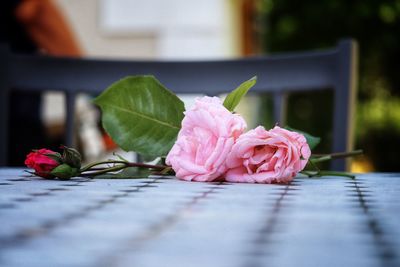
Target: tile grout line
(387, 254)
(49, 225)
(154, 231)
(264, 234)
(27, 197)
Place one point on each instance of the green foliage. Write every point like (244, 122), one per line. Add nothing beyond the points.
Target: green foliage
(312, 113)
(233, 99)
(141, 115)
(304, 25)
(311, 24)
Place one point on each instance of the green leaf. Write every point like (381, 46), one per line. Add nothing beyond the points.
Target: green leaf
(141, 115)
(312, 141)
(233, 99)
(147, 158)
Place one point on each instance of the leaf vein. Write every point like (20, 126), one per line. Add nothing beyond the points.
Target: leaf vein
(143, 116)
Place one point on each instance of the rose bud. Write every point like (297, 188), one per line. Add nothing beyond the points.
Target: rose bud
(72, 157)
(43, 161)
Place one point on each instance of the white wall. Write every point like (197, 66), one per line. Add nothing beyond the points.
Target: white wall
(154, 28)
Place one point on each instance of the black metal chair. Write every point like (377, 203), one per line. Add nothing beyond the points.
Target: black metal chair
(277, 74)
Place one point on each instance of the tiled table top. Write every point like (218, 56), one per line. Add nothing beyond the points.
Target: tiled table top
(162, 221)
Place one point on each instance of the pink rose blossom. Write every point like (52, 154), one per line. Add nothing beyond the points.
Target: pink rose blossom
(207, 135)
(261, 156)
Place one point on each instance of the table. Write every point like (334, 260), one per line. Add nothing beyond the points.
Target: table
(162, 221)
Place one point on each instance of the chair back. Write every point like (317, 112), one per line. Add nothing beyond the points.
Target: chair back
(277, 74)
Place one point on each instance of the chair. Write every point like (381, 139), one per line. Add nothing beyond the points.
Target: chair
(277, 74)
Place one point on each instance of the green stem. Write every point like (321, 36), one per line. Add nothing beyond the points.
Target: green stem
(341, 154)
(144, 165)
(326, 157)
(87, 167)
(320, 159)
(327, 173)
(105, 170)
(165, 171)
(127, 164)
(309, 173)
(335, 173)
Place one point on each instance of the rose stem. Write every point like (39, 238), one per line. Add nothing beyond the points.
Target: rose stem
(341, 154)
(127, 164)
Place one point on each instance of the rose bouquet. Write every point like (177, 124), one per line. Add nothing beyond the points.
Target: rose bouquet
(207, 142)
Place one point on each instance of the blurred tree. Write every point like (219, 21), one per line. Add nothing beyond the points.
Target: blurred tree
(303, 25)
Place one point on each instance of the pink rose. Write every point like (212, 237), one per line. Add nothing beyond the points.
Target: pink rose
(41, 162)
(207, 135)
(261, 156)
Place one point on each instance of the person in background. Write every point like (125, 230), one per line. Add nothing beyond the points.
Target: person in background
(32, 26)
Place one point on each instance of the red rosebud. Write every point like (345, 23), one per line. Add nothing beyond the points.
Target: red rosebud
(41, 162)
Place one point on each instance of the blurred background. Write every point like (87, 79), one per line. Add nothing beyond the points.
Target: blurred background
(218, 29)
